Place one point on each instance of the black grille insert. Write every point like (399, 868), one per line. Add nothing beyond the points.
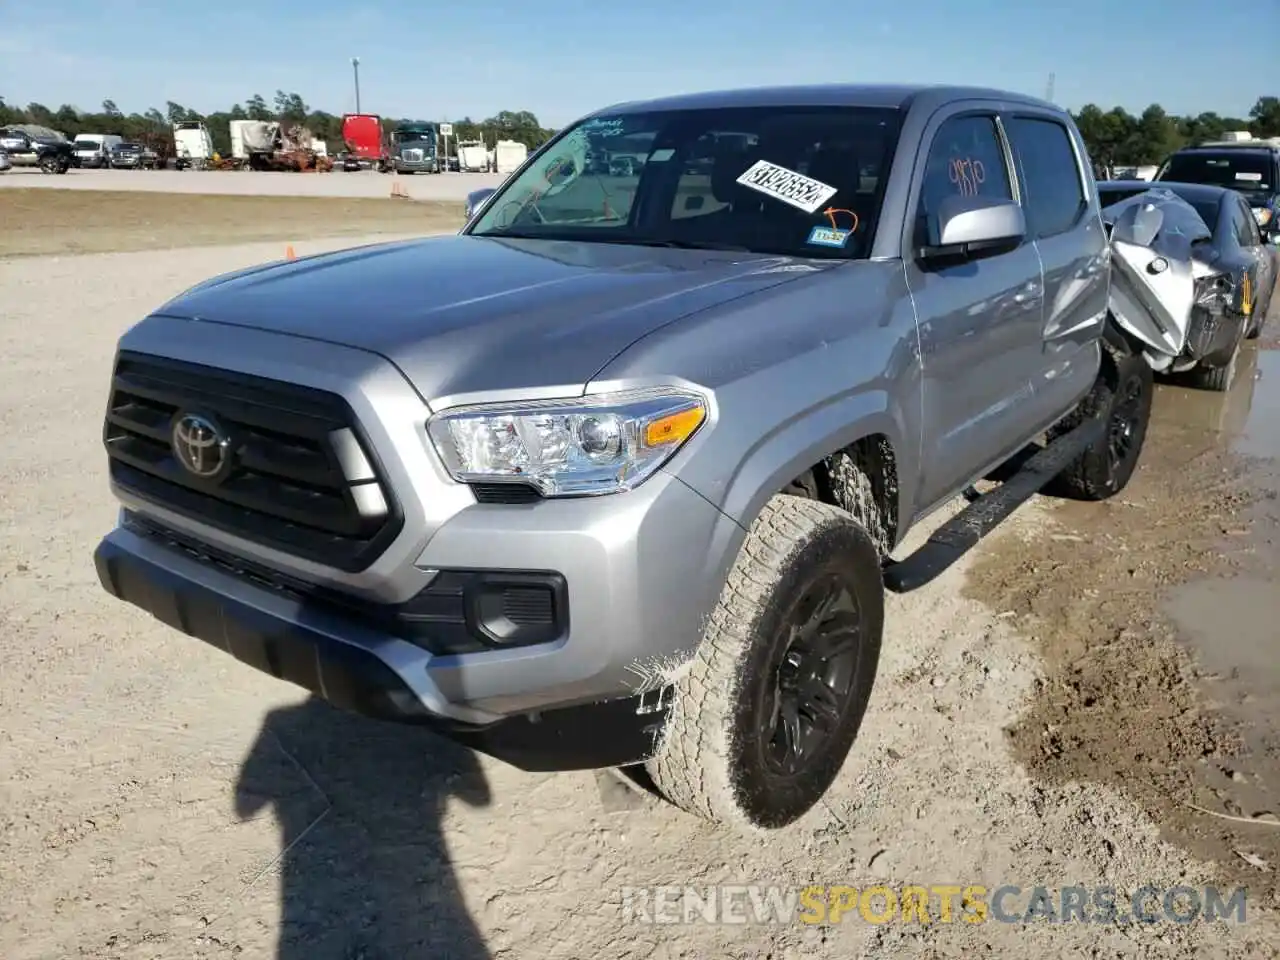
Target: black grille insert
(300, 477)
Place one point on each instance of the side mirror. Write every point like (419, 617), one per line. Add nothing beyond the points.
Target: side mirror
(476, 198)
(963, 226)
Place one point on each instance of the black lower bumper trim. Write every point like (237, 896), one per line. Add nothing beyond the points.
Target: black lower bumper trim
(346, 676)
(613, 733)
(588, 736)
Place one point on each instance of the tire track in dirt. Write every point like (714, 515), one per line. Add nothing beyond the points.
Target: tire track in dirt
(1123, 701)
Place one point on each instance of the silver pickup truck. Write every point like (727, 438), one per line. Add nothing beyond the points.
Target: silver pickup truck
(614, 476)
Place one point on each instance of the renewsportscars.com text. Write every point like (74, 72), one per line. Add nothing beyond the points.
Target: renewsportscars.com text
(935, 903)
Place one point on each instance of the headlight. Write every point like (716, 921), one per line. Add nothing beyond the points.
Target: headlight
(585, 446)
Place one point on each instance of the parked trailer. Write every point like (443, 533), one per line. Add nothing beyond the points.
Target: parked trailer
(192, 144)
(473, 156)
(508, 155)
(248, 138)
(362, 134)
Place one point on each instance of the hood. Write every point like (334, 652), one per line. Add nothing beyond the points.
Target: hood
(461, 314)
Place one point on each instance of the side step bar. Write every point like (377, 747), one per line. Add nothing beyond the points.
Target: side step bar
(985, 512)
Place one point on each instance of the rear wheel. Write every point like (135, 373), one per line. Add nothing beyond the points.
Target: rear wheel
(1217, 379)
(1122, 398)
(763, 720)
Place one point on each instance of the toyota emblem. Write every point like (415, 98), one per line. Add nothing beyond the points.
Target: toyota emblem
(202, 448)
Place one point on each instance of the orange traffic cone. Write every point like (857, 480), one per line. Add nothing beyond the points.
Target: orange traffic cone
(289, 254)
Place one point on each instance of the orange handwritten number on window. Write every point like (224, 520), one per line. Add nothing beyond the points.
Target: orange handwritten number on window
(967, 174)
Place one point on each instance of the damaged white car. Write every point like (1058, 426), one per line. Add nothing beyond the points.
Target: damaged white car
(1191, 275)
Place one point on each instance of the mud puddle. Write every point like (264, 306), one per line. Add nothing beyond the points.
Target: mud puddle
(1157, 615)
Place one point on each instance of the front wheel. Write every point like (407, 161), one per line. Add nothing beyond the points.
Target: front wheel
(1121, 398)
(765, 716)
(49, 164)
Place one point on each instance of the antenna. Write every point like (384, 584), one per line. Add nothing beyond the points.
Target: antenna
(1048, 90)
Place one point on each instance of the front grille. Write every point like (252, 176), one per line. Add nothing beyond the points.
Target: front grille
(413, 156)
(299, 477)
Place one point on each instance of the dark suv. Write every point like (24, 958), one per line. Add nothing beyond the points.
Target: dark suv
(26, 150)
(1249, 167)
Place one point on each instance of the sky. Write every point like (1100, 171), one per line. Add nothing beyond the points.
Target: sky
(564, 58)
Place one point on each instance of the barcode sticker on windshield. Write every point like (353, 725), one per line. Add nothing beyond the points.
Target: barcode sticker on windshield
(1248, 176)
(800, 191)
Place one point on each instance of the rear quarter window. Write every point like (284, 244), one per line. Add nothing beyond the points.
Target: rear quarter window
(1053, 194)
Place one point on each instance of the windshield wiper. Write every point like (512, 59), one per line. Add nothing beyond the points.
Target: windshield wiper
(677, 244)
(637, 242)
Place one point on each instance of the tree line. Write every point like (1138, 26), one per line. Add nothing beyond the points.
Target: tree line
(154, 126)
(1115, 137)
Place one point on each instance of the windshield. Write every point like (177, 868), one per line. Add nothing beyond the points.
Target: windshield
(1246, 172)
(86, 145)
(416, 134)
(802, 181)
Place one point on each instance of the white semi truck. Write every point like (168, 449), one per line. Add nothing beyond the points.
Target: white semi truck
(192, 145)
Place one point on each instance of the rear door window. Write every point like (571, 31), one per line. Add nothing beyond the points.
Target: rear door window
(1054, 197)
(1245, 226)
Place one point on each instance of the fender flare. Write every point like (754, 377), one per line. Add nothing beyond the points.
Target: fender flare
(793, 447)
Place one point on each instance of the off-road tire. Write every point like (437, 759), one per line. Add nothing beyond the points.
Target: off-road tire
(711, 758)
(1098, 473)
(48, 164)
(853, 489)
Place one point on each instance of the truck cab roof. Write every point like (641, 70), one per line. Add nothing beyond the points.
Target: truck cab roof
(900, 96)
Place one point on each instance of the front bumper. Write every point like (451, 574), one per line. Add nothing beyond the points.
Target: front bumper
(355, 666)
(414, 166)
(641, 570)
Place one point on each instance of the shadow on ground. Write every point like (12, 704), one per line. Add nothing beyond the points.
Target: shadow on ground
(365, 872)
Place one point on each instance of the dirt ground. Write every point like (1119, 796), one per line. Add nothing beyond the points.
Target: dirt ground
(367, 184)
(78, 221)
(1035, 722)
(1155, 615)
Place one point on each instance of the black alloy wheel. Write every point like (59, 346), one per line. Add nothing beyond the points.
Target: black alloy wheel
(813, 673)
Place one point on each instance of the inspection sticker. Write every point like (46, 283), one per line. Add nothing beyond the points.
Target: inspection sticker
(829, 237)
(786, 185)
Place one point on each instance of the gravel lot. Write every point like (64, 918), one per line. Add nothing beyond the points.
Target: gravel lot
(163, 801)
(91, 222)
(254, 183)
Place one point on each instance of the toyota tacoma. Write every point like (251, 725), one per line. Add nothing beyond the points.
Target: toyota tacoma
(616, 475)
